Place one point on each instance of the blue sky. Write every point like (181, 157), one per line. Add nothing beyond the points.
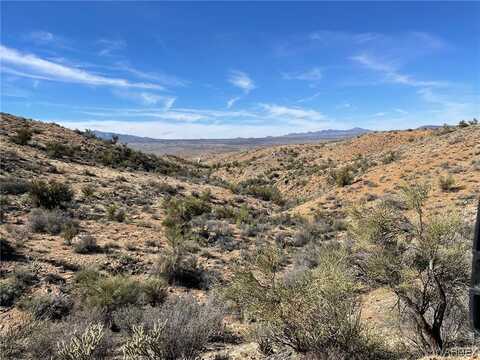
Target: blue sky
(229, 69)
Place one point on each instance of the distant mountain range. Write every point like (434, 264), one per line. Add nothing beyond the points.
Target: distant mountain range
(191, 147)
(311, 135)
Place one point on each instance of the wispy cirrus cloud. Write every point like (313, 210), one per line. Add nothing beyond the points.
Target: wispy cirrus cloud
(146, 98)
(40, 37)
(32, 66)
(43, 38)
(232, 101)
(293, 113)
(109, 46)
(390, 72)
(241, 80)
(309, 98)
(313, 74)
(159, 77)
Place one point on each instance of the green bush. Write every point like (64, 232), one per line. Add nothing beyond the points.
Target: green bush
(390, 157)
(114, 213)
(22, 136)
(58, 150)
(341, 177)
(50, 195)
(259, 188)
(112, 292)
(324, 322)
(424, 262)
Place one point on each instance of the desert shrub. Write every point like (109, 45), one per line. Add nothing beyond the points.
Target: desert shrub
(85, 244)
(4, 203)
(88, 190)
(341, 177)
(463, 124)
(259, 188)
(82, 346)
(7, 250)
(179, 212)
(121, 156)
(112, 292)
(13, 186)
(125, 318)
(447, 183)
(163, 188)
(52, 278)
(50, 221)
(9, 292)
(50, 195)
(14, 286)
(22, 136)
(181, 269)
(425, 267)
(89, 134)
(155, 291)
(323, 321)
(51, 307)
(114, 213)
(311, 231)
(180, 331)
(214, 232)
(242, 215)
(14, 338)
(390, 157)
(35, 339)
(58, 150)
(69, 230)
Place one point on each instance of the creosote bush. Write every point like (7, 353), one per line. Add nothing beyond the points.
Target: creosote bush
(58, 150)
(259, 188)
(51, 194)
(323, 322)
(425, 264)
(112, 292)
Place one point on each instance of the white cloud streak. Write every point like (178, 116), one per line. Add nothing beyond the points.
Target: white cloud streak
(241, 80)
(110, 46)
(232, 101)
(29, 65)
(390, 72)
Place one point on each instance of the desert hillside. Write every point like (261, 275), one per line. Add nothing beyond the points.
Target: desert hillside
(97, 239)
(375, 165)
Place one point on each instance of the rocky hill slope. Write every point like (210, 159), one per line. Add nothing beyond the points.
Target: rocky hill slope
(93, 232)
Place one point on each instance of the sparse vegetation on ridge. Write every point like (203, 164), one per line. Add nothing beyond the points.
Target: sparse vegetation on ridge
(306, 247)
